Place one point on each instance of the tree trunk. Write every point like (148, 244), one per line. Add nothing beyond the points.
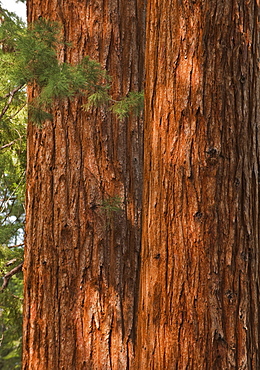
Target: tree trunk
(199, 304)
(81, 259)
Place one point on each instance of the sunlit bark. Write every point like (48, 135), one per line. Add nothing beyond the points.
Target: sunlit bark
(199, 304)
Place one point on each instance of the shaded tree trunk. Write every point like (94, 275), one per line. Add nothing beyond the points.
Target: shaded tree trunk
(199, 304)
(81, 260)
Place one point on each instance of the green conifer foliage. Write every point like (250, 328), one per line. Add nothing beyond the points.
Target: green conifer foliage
(28, 56)
(13, 117)
(134, 103)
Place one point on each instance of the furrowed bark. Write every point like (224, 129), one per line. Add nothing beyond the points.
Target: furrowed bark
(81, 262)
(199, 304)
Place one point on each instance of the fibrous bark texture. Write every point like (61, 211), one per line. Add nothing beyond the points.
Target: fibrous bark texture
(81, 257)
(199, 304)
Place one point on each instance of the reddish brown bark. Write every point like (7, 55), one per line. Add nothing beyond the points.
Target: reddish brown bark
(199, 304)
(81, 262)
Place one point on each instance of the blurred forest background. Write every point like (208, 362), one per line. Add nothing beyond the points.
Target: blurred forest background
(13, 115)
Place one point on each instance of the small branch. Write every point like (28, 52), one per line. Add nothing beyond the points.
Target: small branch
(7, 145)
(11, 196)
(11, 143)
(19, 110)
(8, 276)
(10, 95)
(16, 246)
(11, 262)
(16, 297)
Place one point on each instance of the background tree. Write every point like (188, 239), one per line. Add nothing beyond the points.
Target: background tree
(199, 305)
(84, 200)
(12, 186)
(13, 115)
